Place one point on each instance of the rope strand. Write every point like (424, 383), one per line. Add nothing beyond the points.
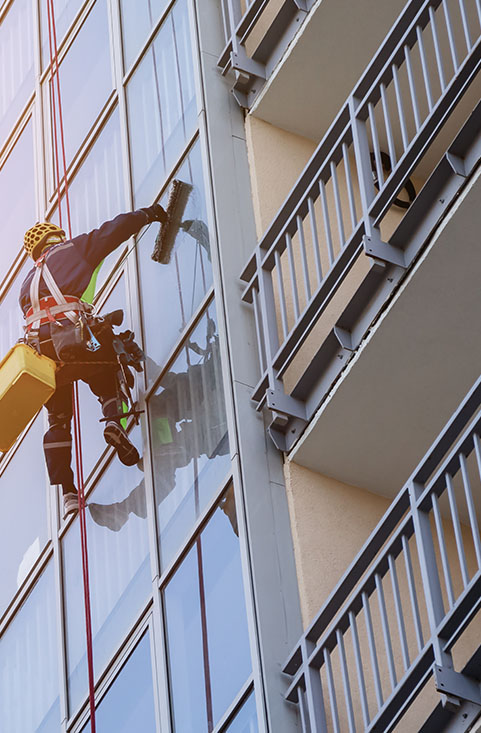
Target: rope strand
(75, 393)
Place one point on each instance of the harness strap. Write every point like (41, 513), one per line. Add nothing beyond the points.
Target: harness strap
(48, 309)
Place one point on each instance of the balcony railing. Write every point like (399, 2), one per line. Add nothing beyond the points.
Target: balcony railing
(331, 220)
(407, 598)
(240, 19)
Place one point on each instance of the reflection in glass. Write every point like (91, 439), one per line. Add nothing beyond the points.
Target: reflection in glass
(178, 287)
(138, 19)
(16, 64)
(17, 198)
(65, 11)
(129, 704)
(96, 192)
(208, 641)
(246, 719)
(11, 316)
(86, 80)
(119, 571)
(161, 105)
(28, 664)
(23, 484)
(190, 447)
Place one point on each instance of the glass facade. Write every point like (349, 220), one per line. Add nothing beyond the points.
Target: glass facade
(169, 616)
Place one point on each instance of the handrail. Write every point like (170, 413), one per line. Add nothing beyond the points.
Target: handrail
(332, 214)
(427, 625)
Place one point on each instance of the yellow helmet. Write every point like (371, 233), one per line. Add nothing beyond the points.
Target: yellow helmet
(39, 235)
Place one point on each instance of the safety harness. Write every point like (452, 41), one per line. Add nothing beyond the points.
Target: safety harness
(53, 307)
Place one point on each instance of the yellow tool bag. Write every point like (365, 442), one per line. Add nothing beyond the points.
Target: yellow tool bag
(27, 381)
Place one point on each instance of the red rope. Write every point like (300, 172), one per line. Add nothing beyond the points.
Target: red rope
(75, 394)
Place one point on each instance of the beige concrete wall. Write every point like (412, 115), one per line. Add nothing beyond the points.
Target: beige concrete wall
(330, 523)
(276, 158)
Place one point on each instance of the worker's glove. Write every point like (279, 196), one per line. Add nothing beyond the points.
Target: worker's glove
(156, 212)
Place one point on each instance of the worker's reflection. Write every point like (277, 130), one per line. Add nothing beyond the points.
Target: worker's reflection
(187, 417)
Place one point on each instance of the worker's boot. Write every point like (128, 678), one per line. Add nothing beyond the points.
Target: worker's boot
(116, 436)
(70, 502)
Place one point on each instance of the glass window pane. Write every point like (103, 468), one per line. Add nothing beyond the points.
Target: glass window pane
(129, 704)
(17, 198)
(16, 64)
(86, 81)
(246, 719)
(65, 11)
(190, 447)
(28, 664)
(208, 641)
(138, 19)
(176, 288)
(96, 193)
(23, 484)
(11, 316)
(119, 571)
(161, 105)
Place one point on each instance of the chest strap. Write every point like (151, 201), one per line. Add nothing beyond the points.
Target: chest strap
(44, 310)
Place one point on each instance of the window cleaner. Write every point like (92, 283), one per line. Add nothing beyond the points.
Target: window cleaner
(61, 326)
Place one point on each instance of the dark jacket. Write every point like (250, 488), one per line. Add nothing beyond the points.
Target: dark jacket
(73, 263)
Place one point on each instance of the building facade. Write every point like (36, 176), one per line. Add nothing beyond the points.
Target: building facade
(298, 549)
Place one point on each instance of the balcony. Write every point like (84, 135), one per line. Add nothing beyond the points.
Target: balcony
(360, 257)
(397, 645)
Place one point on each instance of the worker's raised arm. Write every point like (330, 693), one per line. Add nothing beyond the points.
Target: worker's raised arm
(99, 243)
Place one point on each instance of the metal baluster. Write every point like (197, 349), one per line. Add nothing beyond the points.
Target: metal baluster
(350, 190)
(260, 337)
(457, 529)
(400, 107)
(442, 547)
(385, 630)
(372, 651)
(422, 54)
(345, 681)
(315, 240)
(292, 271)
(412, 87)
(301, 695)
(478, 8)
(471, 508)
(412, 593)
(327, 224)
(332, 692)
(467, 35)
(337, 201)
(399, 612)
(314, 693)
(452, 44)
(437, 49)
(282, 295)
(375, 145)
(360, 672)
(387, 122)
(305, 268)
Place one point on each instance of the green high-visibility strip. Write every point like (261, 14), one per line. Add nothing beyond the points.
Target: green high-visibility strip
(89, 292)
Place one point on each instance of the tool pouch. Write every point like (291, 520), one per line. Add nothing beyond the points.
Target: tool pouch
(69, 340)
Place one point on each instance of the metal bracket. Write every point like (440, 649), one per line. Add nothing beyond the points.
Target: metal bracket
(456, 685)
(344, 337)
(383, 251)
(278, 401)
(246, 66)
(457, 164)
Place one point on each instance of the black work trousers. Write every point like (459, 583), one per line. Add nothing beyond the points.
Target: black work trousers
(57, 441)
(102, 380)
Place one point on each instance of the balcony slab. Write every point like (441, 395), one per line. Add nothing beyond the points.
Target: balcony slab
(330, 51)
(411, 371)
